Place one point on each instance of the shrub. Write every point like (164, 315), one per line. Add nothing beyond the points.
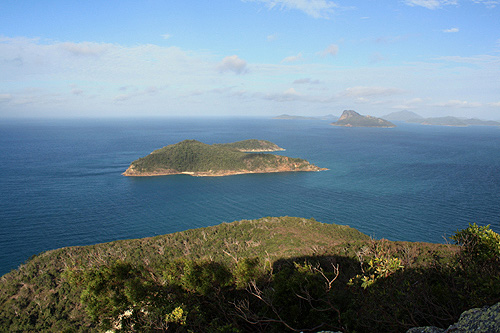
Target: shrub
(246, 271)
(478, 244)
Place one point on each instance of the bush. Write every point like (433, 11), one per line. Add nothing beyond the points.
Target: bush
(479, 244)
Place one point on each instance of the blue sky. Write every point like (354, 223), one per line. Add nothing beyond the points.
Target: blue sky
(249, 58)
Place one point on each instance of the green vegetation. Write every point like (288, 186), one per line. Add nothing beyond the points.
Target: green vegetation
(266, 275)
(191, 156)
(251, 145)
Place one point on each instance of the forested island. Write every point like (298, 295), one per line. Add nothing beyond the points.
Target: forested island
(274, 274)
(195, 158)
(350, 118)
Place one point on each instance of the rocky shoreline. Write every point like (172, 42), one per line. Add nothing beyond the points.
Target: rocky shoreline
(130, 172)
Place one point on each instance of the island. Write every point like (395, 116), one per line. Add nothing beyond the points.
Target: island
(412, 117)
(195, 158)
(351, 118)
(403, 115)
(453, 121)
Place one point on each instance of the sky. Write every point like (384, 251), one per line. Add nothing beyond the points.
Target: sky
(155, 58)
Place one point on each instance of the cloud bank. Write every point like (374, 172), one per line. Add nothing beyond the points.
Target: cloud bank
(233, 64)
(102, 79)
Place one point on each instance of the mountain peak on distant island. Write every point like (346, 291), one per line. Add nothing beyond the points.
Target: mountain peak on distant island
(403, 115)
(351, 118)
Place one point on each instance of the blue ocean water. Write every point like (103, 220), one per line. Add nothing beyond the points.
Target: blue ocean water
(61, 182)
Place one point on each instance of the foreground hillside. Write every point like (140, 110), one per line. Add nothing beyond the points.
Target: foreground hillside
(268, 275)
(199, 159)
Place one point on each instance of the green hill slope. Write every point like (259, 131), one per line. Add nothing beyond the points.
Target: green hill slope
(274, 274)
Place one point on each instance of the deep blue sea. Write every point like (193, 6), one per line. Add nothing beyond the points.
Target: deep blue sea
(61, 182)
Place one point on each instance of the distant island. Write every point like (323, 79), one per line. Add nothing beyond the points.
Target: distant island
(412, 117)
(351, 118)
(195, 158)
(454, 121)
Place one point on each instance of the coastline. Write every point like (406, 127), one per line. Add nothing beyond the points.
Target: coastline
(222, 173)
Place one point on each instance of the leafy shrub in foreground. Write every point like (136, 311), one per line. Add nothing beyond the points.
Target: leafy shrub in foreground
(479, 244)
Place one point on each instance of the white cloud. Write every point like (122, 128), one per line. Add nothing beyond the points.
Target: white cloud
(286, 96)
(233, 64)
(495, 104)
(272, 38)
(455, 103)
(5, 98)
(451, 30)
(152, 90)
(376, 57)
(477, 59)
(293, 58)
(95, 79)
(363, 92)
(166, 36)
(332, 50)
(488, 3)
(434, 4)
(306, 81)
(77, 91)
(409, 104)
(314, 8)
(430, 4)
(104, 73)
(85, 48)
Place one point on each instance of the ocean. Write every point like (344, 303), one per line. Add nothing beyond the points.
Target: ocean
(61, 182)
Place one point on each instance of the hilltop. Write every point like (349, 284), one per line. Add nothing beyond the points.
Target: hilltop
(351, 118)
(273, 274)
(252, 145)
(404, 115)
(195, 158)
